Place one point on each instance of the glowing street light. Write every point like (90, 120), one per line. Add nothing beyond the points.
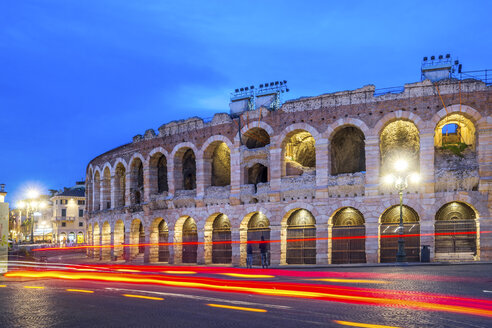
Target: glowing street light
(400, 182)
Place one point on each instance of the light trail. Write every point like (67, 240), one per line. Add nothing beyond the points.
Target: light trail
(80, 291)
(361, 325)
(144, 297)
(33, 287)
(179, 272)
(3, 285)
(243, 275)
(240, 308)
(355, 281)
(354, 295)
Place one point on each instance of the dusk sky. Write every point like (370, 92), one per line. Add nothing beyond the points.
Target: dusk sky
(78, 78)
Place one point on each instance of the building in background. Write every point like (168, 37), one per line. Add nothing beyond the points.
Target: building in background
(4, 229)
(68, 215)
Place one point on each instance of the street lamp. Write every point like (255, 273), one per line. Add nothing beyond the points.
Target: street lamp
(400, 180)
(31, 207)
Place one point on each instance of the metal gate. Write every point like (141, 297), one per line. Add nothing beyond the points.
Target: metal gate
(255, 235)
(345, 248)
(299, 250)
(388, 246)
(221, 246)
(189, 253)
(456, 236)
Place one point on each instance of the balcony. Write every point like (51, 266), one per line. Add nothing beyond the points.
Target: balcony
(64, 218)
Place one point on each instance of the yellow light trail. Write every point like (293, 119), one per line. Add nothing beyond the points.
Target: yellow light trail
(180, 272)
(34, 287)
(243, 275)
(361, 325)
(3, 285)
(127, 270)
(240, 308)
(80, 291)
(144, 297)
(358, 281)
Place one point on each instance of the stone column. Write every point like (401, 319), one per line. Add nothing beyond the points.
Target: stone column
(322, 243)
(201, 256)
(147, 248)
(322, 168)
(102, 194)
(372, 165)
(372, 241)
(276, 255)
(236, 247)
(170, 238)
(147, 184)
(484, 152)
(171, 183)
(114, 188)
(201, 181)
(235, 174)
(127, 249)
(128, 188)
(427, 161)
(275, 173)
(112, 255)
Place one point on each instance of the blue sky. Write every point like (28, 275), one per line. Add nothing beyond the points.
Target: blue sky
(78, 78)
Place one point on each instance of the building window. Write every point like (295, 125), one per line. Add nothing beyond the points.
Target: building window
(64, 224)
(81, 224)
(81, 202)
(81, 213)
(64, 212)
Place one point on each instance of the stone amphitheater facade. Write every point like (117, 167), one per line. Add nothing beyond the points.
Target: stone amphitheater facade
(310, 170)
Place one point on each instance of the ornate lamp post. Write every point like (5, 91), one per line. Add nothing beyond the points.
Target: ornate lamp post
(31, 207)
(400, 179)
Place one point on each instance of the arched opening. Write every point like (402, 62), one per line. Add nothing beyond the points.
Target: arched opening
(106, 242)
(80, 237)
(136, 181)
(97, 192)
(106, 189)
(389, 232)
(137, 237)
(119, 240)
(90, 191)
(258, 173)
(299, 153)
(71, 238)
(348, 237)
(348, 151)
(63, 238)
(185, 169)
(399, 139)
(456, 231)
(455, 130)
(255, 138)
(158, 173)
(190, 241)
(221, 240)
(258, 226)
(301, 237)
(120, 185)
(217, 164)
(159, 235)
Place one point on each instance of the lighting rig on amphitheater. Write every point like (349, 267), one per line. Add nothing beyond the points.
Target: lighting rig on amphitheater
(250, 98)
(439, 68)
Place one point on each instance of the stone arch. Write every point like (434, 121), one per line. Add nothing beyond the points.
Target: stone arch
(299, 245)
(258, 173)
(185, 166)
(347, 150)
(137, 238)
(465, 110)
(398, 115)
(255, 137)
(347, 232)
(136, 179)
(186, 235)
(298, 150)
(159, 238)
(158, 171)
(456, 232)
(254, 226)
(106, 187)
(399, 139)
(119, 240)
(97, 190)
(120, 184)
(389, 232)
(259, 124)
(216, 152)
(106, 242)
(217, 238)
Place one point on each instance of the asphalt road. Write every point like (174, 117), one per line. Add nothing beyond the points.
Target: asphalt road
(104, 304)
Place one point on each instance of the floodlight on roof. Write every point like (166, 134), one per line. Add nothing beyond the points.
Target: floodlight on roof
(440, 56)
(237, 90)
(246, 89)
(448, 56)
(425, 58)
(242, 89)
(456, 62)
(261, 85)
(285, 82)
(271, 84)
(252, 87)
(287, 90)
(433, 57)
(276, 82)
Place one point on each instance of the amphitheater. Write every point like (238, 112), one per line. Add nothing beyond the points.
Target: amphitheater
(308, 177)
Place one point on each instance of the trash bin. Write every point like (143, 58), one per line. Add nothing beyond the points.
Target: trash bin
(425, 253)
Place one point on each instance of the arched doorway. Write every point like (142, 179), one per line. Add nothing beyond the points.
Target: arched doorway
(190, 241)
(137, 237)
(301, 238)
(348, 151)
(456, 231)
(221, 240)
(258, 226)
(106, 242)
(348, 237)
(389, 231)
(80, 237)
(159, 236)
(298, 154)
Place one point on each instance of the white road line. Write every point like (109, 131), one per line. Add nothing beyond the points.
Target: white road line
(487, 291)
(202, 298)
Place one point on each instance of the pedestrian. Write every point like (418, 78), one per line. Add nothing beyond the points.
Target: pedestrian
(263, 251)
(249, 258)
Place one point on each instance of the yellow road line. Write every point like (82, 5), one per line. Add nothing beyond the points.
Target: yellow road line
(240, 308)
(359, 281)
(243, 275)
(361, 325)
(180, 272)
(3, 285)
(127, 270)
(34, 287)
(144, 297)
(80, 291)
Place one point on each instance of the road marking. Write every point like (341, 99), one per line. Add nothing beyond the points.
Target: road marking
(361, 325)
(80, 291)
(144, 297)
(240, 308)
(34, 287)
(3, 285)
(242, 275)
(202, 298)
(180, 272)
(359, 281)
(487, 291)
